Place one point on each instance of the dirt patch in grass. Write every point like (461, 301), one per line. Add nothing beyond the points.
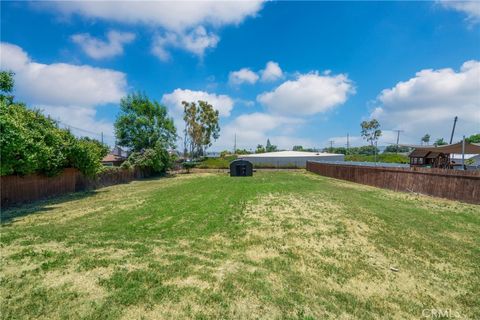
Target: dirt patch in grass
(433, 204)
(276, 245)
(109, 252)
(185, 309)
(259, 253)
(308, 233)
(86, 283)
(190, 282)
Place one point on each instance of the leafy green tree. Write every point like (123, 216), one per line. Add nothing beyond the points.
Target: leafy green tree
(201, 126)
(297, 148)
(439, 142)
(474, 138)
(371, 131)
(224, 153)
(393, 149)
(338, 150)
(156, 159)
(7, 84)
(189, 165)
(242, 151)
(368, 150)
(426, 139)
(270, 147)
(32, 143)
(260, 149)
(85, 154)
(143, 123)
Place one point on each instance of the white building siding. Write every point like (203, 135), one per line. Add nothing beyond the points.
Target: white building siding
(289, 159)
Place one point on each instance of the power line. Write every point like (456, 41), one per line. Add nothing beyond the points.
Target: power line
(99, 134)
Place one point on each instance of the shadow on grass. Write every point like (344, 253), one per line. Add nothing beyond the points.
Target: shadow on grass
(8, 215)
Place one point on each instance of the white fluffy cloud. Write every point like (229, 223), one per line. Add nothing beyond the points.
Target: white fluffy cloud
(183, 23)
(99, 49)
(171, 15)
(244, 75)
(308, 94)
(195, 41)
(65, 91)
(428, 102)
(271, 72)
(61, 84)
(470, 8)
(222, 103)
(81, 121)
(255, 128)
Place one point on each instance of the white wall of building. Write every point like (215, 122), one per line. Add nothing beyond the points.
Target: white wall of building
(287, 159)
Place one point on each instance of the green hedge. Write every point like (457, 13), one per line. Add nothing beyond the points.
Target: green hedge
(216, 163)
(32, 143)
(383, 157)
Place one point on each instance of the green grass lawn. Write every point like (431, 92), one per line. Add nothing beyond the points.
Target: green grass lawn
(290, 245)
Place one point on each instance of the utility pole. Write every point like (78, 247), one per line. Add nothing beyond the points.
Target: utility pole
(102, 136)
(453, 130)
(398, 137)
(331, 144)
(348, 142)
(235, 144)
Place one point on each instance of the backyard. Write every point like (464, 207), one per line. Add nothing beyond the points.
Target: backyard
(280, 244)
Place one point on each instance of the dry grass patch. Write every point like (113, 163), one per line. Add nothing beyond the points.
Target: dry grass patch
(86, 283)
(189, 282)
(207, 246)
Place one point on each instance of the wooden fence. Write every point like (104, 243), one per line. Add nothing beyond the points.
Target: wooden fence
(451, 184)
(22, 189)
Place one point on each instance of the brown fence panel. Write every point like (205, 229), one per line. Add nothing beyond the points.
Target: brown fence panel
(22, 189)
(450, 184)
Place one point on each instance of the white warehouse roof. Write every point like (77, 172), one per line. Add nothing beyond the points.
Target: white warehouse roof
(289, 159)
(289, 154)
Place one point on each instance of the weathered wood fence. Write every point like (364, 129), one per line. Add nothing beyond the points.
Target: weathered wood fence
(22, 189)
(451, 184)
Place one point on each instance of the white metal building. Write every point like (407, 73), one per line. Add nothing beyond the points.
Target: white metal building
(289, 159)
(470, 159)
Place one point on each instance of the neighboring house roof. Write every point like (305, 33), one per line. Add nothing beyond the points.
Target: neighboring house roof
(280, 154)
(418, 153)
(113, 158)
(450, 148)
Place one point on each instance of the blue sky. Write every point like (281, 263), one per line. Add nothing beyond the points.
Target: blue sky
(295, 72)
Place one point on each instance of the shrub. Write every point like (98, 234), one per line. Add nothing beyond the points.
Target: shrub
(155, 160)
(126, 165)
(32, 143)
(85, 155)
(384, 157)
(216, 163)
(188, 165)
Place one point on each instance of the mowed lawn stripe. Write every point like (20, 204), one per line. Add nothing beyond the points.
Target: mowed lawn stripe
(277, 245)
